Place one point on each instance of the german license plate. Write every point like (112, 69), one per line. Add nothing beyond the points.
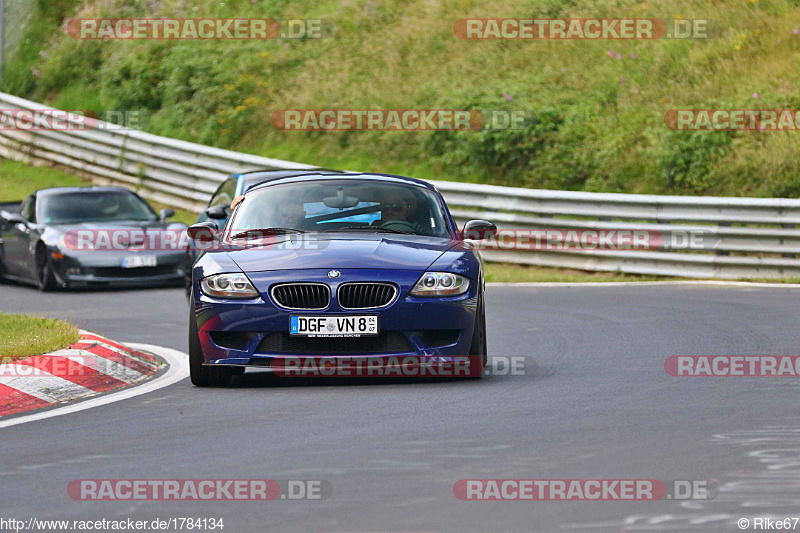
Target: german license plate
(136, 261)
(334, 326)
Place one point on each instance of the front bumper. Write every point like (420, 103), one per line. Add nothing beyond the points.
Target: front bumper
(105, 269)
(256, 332)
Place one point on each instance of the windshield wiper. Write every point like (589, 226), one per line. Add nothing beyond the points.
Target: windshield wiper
(371, 228)
(265, 232)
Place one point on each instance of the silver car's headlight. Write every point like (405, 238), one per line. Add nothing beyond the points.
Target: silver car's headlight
(228, 286)
(440, 284)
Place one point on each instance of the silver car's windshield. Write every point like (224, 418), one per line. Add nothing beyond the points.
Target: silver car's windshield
(342, 205)
(94, 206)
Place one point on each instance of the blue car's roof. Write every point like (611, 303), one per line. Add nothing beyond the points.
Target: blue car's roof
(349, 176)
(249, 179)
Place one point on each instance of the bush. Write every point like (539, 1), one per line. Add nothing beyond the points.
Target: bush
(688, 159)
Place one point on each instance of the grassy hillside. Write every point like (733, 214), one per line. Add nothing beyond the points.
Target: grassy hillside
(599, 120)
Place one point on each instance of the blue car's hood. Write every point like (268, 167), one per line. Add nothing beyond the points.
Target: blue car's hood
(385, 251)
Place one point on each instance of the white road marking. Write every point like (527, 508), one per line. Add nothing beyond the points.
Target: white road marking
(44, 385)
(111, 368)
(121, 352)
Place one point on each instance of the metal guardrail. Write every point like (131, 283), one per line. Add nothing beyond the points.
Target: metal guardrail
(167, 170)
(739, 237)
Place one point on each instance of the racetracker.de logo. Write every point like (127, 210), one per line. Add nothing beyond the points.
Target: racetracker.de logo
(66, 120)
(194, 29)
(44, 366)
(198, 489)
(173, 239)
(733, 119)
(378, 367)
(583, 489)
(558, 239)
(377, 119)
(581, 29)
(733, 365)
(45, 119)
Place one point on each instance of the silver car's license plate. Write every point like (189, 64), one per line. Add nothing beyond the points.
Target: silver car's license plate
(334, 326)
(136, 261)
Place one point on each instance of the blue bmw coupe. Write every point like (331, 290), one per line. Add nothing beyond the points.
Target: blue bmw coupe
(357, 266)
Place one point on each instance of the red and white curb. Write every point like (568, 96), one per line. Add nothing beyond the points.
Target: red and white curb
(89, 367)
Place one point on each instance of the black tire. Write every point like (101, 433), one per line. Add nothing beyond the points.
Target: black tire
(45, 279)
(199, 374)
(2, 266)
(478, 346)
(187, 285)
(187, 282)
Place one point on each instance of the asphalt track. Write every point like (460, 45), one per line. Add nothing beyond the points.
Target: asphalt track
(594, 402)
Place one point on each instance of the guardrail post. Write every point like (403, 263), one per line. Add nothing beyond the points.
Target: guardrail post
(723, 252)
(788, 226)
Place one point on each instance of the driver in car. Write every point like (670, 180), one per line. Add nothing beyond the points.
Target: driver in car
(291, 215)
(397, 213)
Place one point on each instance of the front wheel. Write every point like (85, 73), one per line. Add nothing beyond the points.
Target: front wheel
(187, 281)
(2, 266)
(478, 346)
(200, 374)
(45, 279)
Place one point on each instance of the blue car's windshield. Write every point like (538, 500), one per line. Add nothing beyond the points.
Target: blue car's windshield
(342, 205)
(93, 206)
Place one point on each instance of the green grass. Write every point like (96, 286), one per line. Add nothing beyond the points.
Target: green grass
(18, 180)
(24, 335)
(591, 131)
(181, 215)
(511, 273)
(774, 280)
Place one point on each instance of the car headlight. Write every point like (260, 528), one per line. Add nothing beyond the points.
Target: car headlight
(228, 286)
(440, 284)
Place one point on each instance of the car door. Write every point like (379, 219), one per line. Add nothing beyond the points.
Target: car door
(17, 240)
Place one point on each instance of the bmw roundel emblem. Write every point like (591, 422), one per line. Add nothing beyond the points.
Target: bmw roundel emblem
(334, 274)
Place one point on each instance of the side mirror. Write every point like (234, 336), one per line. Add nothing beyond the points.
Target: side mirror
(478, 230)
(218, 212)
(203, 232)
(13, 218)
(167, 213)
